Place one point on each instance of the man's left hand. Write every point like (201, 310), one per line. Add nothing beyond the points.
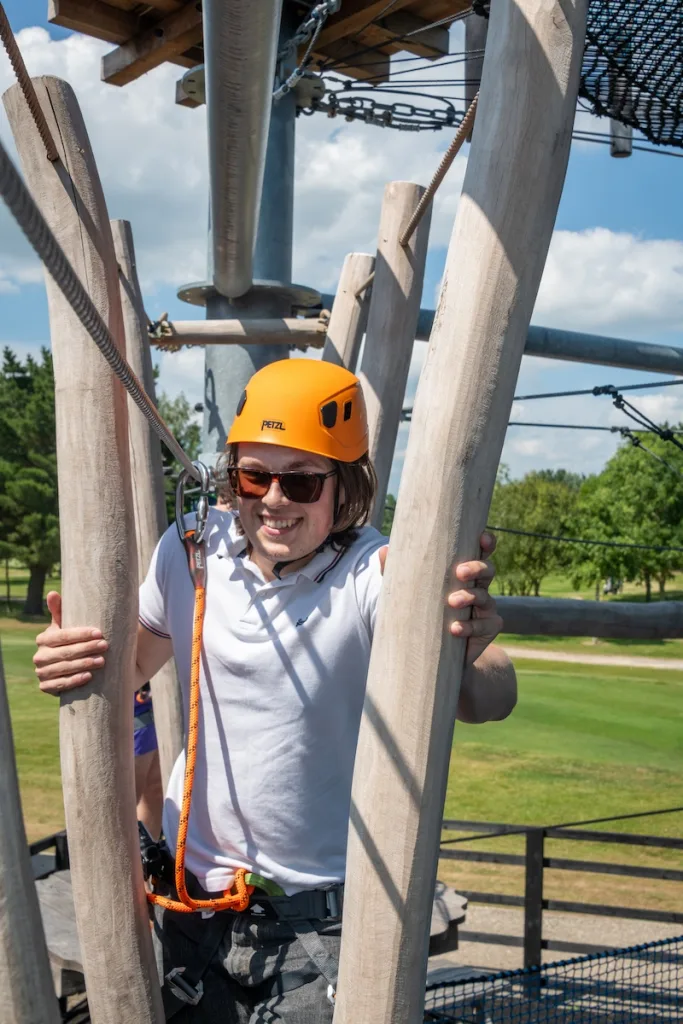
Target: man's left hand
(485, 623)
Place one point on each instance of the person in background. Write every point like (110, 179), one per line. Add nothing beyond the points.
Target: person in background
(149, 791)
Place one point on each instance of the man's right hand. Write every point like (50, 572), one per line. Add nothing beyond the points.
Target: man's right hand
(66, 658)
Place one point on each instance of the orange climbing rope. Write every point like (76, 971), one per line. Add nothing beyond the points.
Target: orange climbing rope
(238, 897)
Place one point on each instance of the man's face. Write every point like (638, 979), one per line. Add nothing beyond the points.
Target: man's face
(278, 529)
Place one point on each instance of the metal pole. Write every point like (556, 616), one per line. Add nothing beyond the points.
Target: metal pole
(533, 905)
(554, 343)
(228, 368)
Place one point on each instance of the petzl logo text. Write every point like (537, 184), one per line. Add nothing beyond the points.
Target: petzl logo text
(272, 425)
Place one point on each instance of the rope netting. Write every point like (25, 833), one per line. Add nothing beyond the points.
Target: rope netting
(637, 985)
(633, 65)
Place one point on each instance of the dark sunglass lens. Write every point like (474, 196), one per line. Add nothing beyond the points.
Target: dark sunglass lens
(303, 488)
(251, 483)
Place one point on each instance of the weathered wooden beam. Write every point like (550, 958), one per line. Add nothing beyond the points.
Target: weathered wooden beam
(349, 312)
(614, 620)
(169, 38)
(93, 18)
(350, 58)
(392, 321)
(288, 331)
(26, 989)
(147, 475)
(353, 16)
(421, 39)
(99, 577)
(500, 241)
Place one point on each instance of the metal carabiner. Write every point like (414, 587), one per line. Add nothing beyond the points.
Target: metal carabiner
(202, 504)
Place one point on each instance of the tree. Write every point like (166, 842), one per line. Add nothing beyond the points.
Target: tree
(29, 515)
(543, 502)
(178, 415)
(388, 516)
(637, 500)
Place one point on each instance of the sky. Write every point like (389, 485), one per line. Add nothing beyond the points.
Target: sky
(615, 265)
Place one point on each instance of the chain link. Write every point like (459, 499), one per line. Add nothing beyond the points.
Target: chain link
(308, 32)
(404, 116)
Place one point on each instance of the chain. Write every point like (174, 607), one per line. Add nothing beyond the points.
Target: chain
(308, 32)
(404, 116)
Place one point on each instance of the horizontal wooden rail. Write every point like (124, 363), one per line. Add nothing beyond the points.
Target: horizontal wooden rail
(616, 620)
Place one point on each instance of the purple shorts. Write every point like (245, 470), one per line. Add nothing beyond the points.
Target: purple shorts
(144, 733)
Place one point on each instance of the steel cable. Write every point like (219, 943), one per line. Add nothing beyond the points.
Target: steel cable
(31, 221)
(26, 85)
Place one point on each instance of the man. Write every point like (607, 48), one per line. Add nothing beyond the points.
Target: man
(294, 577)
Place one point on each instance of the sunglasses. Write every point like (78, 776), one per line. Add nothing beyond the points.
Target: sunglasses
(303, 488)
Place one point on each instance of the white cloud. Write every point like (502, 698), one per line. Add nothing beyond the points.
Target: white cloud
(599, 279)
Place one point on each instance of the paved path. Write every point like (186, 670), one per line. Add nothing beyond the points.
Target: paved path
(618, 660)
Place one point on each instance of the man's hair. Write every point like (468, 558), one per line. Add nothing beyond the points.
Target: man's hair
(357, 480)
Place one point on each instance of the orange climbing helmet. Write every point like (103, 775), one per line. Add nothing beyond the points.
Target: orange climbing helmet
(304, 403)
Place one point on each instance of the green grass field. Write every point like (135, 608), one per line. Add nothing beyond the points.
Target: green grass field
(584, 742)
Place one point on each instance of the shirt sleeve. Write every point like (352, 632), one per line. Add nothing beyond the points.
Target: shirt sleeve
(368, 581)
(152, 606)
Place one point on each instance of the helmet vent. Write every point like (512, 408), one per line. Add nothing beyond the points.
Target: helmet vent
(242, 402)
(329, 414)
(347, 410)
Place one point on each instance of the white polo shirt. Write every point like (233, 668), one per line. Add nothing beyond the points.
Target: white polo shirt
(283, 678)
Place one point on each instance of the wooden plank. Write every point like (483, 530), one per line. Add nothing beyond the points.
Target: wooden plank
(147, 474)
(99, 577)
(349, 59)
(427, 42)
(349, 312)
(392, 322)
(352, 17)
(616, 620)
(503, 227)
(93, 18)
(169, 38)
(26, 987)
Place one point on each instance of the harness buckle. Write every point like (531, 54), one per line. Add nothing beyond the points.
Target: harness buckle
(182, 989)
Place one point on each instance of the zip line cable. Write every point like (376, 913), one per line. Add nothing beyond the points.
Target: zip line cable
(602, 389)
(582, 540)
(34, 226)
(26, 85)
(579, 426)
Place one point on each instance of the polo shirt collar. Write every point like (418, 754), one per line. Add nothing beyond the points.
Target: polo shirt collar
(315, 570)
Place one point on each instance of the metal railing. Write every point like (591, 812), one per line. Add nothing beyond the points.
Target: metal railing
(535, 860)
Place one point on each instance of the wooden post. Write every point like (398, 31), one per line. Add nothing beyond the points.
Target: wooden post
(149, 504)
(26, 988)
(553, 616)
(349, 312)
(99, 577)
(392, 322)
(503, 227)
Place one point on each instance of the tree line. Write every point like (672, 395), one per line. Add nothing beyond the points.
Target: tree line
(636, 499)
(29, 513)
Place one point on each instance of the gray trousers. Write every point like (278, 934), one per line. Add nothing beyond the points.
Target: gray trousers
(253, 970)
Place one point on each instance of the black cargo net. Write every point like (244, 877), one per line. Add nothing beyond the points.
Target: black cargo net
(633, 65)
